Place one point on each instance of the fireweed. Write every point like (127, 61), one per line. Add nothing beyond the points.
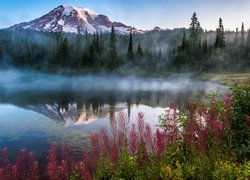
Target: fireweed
(137, 151)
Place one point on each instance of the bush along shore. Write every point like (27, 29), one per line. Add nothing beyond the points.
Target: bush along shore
(207, 141)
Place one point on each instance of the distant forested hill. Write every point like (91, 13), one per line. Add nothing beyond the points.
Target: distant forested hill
(178, 50)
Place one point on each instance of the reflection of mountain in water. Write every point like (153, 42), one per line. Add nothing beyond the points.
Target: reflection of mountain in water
(72, 114)
(69, 108)
(83, 99)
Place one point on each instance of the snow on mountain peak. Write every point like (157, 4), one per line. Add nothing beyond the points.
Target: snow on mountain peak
(70, 19)
(81, 11)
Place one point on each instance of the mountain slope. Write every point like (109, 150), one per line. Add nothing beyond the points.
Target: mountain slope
(70, 19)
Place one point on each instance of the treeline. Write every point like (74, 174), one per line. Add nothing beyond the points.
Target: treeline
(200, 50)
(43, 50)
(177, 50)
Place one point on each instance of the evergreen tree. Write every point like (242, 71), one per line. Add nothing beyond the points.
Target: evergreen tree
(204, 47)
(220, 36)
(64, 52)
(101, 44)
(184, 42)
(242, 36)
(112, 50)
(139, 52)
(86, 37)
(236, 40)
(130, 53)
(159, 54)
(195, 30)
(97, 43)
(248, 45)
(94, 50)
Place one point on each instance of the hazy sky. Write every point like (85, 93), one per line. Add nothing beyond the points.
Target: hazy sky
(143, 14)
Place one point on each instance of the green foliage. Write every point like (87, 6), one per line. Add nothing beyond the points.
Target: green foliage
(240, 123)
(230, 170)
(104, 169)
(128, 166)
(113, 59)
(130, 47)
(184, 42)
(178, 50)
(195, 30)
(220, 36)
(139, 52)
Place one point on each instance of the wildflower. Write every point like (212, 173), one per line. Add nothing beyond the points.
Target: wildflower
(133, 140)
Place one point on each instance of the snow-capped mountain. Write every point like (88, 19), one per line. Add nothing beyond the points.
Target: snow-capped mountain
(70, 19)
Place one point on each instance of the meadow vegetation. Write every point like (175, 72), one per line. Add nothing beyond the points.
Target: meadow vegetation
(209, 140)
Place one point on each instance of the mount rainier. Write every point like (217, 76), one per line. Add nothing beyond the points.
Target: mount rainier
(70, 19)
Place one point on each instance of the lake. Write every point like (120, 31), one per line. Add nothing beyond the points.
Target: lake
(37, 109)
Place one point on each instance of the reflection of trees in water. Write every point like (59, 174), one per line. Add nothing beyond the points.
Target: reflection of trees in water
(90, 105)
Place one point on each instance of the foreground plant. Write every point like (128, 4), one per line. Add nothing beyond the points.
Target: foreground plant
(196, 144)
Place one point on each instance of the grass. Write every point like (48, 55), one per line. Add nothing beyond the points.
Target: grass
(229, 79)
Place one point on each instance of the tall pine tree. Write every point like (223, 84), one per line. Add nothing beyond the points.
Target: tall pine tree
(205, 47)
(242, 35)
(112, 50)
(248, 45)
(139, 51)
(220, 36)
(195, 30)
(130, 53)
(236, 40)
(184, 42)
(64, 52)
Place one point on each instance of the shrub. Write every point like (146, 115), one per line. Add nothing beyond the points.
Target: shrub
(241, 121)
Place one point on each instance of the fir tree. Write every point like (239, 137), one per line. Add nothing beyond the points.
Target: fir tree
(248, 44)
(236, 36)
(220, 36)
(184, 42)
(242, 35)
(97, 43)
(130, 53)
(159, 54)
(112, 50)
(94, 56)
(195, 30)
(64, 52)
(101, 44)
(139, 52)
(204, 47)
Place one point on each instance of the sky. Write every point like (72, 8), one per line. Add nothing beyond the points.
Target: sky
(142, 14)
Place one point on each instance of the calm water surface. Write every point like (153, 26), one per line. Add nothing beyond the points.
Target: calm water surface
(36, 109)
